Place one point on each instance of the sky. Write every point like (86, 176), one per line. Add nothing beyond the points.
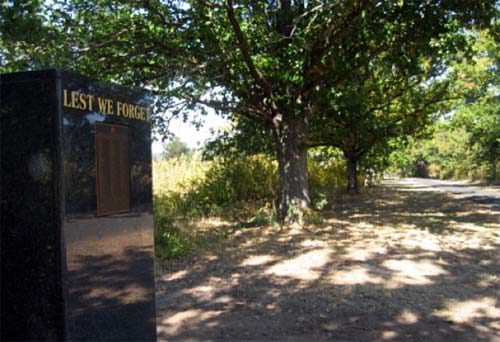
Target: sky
(193, 137)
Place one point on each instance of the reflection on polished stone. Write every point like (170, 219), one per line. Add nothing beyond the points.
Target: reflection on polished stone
(67, 273)
(109, 276)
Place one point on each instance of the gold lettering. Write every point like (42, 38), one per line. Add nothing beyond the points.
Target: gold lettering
(83, 102)
(78, 100)
(132, 111)
(141, 113)
(74, 100)
(102, 104)
(119, 108)
(105, 105)
(126, 112)
(65, 101)
(110, 109)
(91, 102)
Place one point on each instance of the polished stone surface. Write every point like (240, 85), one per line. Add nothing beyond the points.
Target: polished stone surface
(109, 278)
(66, 272)
(31, 284)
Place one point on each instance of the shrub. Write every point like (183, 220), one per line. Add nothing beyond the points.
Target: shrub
(237, 188)
(326, 178)
(169, 242)
(249, 178)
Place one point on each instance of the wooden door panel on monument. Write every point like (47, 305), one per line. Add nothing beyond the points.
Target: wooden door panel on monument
(113, 188)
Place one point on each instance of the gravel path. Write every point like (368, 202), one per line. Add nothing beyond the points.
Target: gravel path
(401, 262)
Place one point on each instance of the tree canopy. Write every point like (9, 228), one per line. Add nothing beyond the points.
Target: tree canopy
(280, 63)
(466, 143)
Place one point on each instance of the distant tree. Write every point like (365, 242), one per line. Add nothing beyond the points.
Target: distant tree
(479, 113)
(176, 148)
(466, 143)
(387, 101)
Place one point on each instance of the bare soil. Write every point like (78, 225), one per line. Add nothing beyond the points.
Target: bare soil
(400, 262)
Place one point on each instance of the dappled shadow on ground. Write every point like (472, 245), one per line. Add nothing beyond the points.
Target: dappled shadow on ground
(396, 263)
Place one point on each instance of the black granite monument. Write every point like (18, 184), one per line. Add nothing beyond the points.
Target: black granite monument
(76, 219)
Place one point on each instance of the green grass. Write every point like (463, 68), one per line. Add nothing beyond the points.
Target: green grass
(175, 239)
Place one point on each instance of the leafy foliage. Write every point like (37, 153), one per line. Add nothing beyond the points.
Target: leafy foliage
(328, 174)
(275, 62)
(192, 188)
(467, 143)
(176, 148)
(479, 114)
(189, 187)
(169, 241)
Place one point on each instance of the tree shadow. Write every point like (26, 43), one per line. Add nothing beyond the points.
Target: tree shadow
(110, 296)
(393, 264)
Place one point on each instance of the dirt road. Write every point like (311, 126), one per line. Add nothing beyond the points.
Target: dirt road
(403, 262)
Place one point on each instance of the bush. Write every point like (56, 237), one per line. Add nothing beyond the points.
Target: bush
(169, 242)
(187, 188)
(175, 187)
(237, 188)
(249, 178)
(327, 178)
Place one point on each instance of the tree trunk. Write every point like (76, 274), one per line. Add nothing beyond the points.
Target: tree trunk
(493, 166)
(494, 172)
(352, 175)
(290, 138)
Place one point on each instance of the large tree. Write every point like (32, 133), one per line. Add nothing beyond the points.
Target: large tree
(276, 63)
(385, 102)
(269, 61)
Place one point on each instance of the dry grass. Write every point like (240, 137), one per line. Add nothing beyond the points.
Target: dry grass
(400, 262)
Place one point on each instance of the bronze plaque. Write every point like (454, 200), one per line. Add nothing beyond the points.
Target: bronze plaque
(113, 180)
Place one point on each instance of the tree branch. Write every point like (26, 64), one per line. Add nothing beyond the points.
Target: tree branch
(161, 15)
(387, 103)
(243, 46)
(251, 113)
(323, 44)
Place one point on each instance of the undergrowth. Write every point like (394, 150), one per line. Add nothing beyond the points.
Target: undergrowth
(173, 240)
(240, 190)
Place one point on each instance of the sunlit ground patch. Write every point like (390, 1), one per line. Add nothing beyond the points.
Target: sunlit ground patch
(391, 257)
(306, 266)
(407, 317)
(356, 275)
(426, 243)
(256, 260)
(409, 272)
(483, 312)
(389, 335)
(182, 320)
(473, 227)
(176, 275)
(314, 243)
